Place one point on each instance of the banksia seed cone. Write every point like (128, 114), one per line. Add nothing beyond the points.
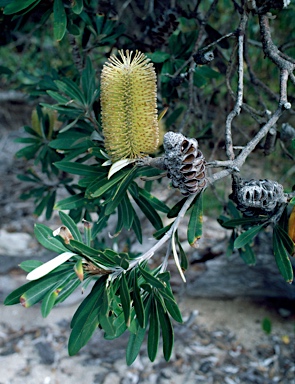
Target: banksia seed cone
(257, 197)
(185, 163)
(129, 106)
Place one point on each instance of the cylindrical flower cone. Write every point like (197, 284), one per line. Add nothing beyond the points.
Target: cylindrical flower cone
(129, 106)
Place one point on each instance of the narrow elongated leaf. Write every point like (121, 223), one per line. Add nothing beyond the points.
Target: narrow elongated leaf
(173, 212)
(97, 257)
(50, 205)
(77, 6)
(167, 332)
(125, 299)
(14, 297)
(15, 6)
(85, 320)
(67, 290)
(72, 202)
(107, 184)
(58, 97)
(41, 287)
(60, 20)
(105, 320)
(286, 240)
(127, 212)
(134, 344)
(70, 88)
(45, 237)
(29, 265)
(169, 301)
(282, 257)
(194, 230)
(120, 193)
(151, 214)
(176, 258)
(119, 327)
(48, 302)
(52, 264)
(77, 168)
(154, 281)
(183, 256)
(154, 332)
(156, 203)
(137, 301)
(136, 338)
(118, 165)
(230, 224)
(161, 232)
(247, 236)
(136, 226)
(72, 226)
(247, 254)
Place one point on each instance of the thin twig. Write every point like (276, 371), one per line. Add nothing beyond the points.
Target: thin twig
(272, 52)
(237, 108)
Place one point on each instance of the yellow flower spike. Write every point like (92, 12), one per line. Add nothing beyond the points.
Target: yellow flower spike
(129, 106)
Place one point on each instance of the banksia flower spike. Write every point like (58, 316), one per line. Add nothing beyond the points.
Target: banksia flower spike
(128, 106)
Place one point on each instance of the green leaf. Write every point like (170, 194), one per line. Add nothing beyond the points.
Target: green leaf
(167, 332)
(60, 20)
(125, 299)
(281, 256)
(158, 56)
(58, 97)
(71, 202)
(85, 320)
(45, 237)
(243, 221)
(173, 212)
(104, 318)
(183, 256)
(77, 168)
(95, 256)
(286, 240)
(266, 325)
(105, 185)
(154, 332)
(134, 344)
(119, 193)
(194, 230)
(150, 213)
(136, 226)
(247, 254)
(161, 232)
(71, 89)
(88, 81)
(28, 152)
(38, 291)
(15, 6)
(77, 6)
(137, 301)
(30, 265)
(154, 281)
(71, 225)
(14, 297)
(247, 236)
(67, 290)
(48, 302)
(127, 212)
(156, 203)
